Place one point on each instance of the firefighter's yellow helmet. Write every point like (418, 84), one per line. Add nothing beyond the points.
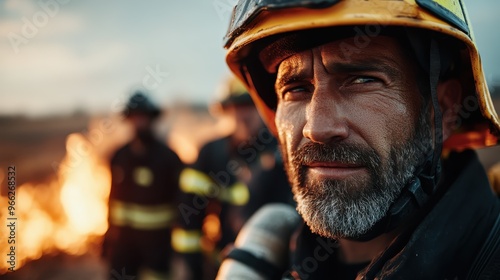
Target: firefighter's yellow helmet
(232, 92)
(255, 23)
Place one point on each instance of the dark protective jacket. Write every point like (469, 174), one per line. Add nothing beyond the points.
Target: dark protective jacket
(142, 207)
(144, 187)
(147, 179)
(228, 181)
(454, 240)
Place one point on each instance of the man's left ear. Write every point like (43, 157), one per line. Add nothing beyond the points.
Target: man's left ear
(449, 97)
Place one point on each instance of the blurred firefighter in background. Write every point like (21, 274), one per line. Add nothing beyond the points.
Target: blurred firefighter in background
(233, 177)
(145, 181)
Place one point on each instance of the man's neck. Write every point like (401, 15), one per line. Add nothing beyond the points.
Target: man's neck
(354, 252)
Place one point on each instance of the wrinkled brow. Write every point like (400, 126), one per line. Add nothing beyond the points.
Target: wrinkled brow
(365, 66)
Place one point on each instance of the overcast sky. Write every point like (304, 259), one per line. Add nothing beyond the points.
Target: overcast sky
(90, 55)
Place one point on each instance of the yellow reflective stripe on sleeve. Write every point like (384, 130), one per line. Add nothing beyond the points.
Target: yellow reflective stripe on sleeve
(186, 241)
(143, 217)
(195, 182)
(237, 194)
(199, 183)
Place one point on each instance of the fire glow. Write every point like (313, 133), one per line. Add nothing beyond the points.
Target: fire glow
(67, 214)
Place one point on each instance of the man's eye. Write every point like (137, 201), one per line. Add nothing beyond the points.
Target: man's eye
(364, 80)
(297, 89)
(294, 93)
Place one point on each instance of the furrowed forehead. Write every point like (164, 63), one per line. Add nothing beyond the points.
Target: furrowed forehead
(278, 48)
(380, 54)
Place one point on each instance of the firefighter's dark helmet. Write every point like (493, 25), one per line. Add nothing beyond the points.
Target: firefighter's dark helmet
(140, 103)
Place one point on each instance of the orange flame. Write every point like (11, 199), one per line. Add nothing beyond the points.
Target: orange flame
(67, 214)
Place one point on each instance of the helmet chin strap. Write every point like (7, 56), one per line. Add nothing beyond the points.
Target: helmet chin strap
(435, 69)
(417, 193)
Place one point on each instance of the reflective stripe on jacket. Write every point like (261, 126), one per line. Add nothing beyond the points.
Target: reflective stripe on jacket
(144, 217)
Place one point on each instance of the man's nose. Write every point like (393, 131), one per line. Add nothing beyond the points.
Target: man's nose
(325, 118)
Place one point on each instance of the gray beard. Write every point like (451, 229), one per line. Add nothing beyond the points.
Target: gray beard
(349, 208)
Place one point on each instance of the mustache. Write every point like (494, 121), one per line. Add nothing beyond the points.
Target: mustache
(346, 153)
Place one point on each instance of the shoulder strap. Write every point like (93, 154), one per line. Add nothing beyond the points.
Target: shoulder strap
(487, 263)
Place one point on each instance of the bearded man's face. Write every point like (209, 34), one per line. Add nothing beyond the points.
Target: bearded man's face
(351, 131)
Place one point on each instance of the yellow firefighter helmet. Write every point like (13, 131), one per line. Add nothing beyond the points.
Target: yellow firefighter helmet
(232, 92)
(255, 23)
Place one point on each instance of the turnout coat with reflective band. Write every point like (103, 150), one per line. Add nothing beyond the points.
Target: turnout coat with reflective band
(144, 187)
(449, 242)
(230, 182)
(142, 209)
